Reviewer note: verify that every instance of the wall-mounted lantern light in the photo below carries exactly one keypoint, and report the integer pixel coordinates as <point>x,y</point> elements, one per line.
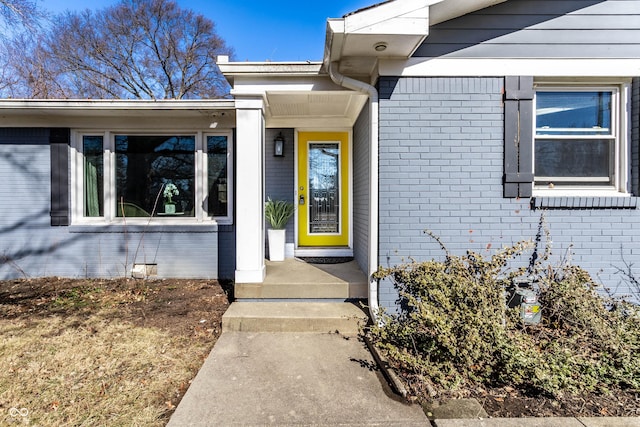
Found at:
<point>278,146</point>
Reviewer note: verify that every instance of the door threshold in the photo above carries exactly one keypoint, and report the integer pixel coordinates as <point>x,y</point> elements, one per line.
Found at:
<point>323,252</point>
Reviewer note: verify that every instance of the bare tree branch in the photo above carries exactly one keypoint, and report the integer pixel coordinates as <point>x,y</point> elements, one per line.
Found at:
<point>19,13</point>
<point>146,49</point>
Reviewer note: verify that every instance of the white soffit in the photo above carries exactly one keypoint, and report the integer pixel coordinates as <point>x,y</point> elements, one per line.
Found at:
<point>326,107</point>
<point>399,25</point>
<point>295,94</point>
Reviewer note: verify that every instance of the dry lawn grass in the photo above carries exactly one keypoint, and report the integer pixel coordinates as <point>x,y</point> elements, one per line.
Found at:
<point>117,353</point>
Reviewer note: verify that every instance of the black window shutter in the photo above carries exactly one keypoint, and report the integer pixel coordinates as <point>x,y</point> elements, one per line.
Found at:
<point>59,139</point>
<point>518,136</point>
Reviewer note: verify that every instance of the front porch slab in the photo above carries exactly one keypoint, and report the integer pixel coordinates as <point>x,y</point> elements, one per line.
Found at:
<point>296,279</point>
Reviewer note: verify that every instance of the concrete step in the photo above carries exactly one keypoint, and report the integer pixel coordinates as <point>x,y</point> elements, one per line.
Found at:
<point>295,279</point>
<point>293,317</point>
<point>323,290</point>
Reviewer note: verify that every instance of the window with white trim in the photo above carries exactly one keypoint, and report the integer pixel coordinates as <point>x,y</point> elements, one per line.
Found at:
<point>580,139</point>
<point>179,177</point>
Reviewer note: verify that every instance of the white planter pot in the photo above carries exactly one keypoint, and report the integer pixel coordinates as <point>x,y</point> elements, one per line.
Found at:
<point>276,244</point>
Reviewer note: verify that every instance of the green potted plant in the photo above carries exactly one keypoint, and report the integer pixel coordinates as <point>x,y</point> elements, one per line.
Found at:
<point>277,213</point>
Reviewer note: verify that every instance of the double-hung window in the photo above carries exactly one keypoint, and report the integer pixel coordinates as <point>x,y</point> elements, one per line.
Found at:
<point>580,139</point>
<point>182,177</point>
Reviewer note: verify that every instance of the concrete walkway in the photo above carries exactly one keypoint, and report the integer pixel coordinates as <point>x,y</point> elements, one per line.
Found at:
<point>315,379</point>
<point>310,379</point>
<point>283,364</point>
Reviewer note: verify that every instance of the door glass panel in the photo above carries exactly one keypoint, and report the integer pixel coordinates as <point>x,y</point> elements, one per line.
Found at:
<point>324,185</point>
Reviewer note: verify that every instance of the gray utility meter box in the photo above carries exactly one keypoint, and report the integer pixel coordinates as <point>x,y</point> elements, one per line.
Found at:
<point>521,295</point>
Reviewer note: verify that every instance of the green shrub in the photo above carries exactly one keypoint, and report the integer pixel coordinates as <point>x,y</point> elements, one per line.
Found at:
<point>454,330</point>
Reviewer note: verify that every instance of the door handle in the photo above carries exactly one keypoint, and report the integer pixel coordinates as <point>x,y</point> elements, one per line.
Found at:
<point>301,199</point>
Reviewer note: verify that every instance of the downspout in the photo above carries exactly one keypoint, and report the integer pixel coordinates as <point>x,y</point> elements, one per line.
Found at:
<point>357,85</point>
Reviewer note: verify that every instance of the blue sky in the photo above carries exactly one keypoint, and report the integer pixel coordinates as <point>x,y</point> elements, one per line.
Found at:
<point>258,30</point>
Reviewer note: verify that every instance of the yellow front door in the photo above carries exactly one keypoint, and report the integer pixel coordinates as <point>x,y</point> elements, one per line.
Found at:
<point>323,189</point>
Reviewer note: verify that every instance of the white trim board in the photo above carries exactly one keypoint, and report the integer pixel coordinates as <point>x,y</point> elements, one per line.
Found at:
<point>426,67</point>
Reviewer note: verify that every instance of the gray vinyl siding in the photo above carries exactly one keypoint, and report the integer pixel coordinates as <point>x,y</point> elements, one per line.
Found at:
<point>361,182</point>
<point>540,29</point>
<point>441,169</point>
<point>280,173</point>
<point>31,247</point>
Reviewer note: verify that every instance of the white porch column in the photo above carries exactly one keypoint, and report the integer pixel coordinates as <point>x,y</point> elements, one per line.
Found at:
<point>249,210</point>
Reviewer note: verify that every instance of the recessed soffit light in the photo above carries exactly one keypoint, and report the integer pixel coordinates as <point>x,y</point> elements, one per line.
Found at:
<point>380,46</point>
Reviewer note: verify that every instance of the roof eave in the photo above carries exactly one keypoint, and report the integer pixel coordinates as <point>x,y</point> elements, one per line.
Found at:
<point>116,105</point>
<point>233,70</point>
<point>396,27</point>
<point>392,29</point>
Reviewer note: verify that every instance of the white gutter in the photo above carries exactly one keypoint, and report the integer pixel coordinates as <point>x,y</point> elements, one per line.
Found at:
<point>116,104</point>
<point>362,87</point>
